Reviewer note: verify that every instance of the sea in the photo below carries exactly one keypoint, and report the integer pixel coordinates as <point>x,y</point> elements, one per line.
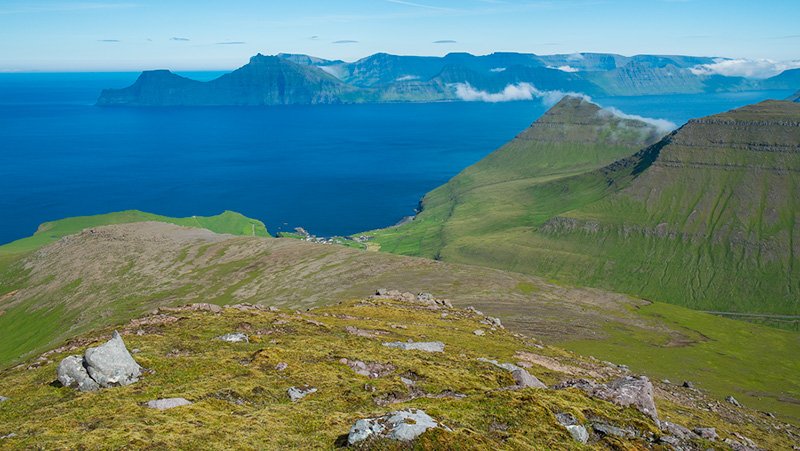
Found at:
<point>331,169</point>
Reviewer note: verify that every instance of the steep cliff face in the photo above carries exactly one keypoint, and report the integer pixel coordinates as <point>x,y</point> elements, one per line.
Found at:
<point>265,80</point>
<point>706,218</point>
<point>794,97</point>
<point>637,79</point>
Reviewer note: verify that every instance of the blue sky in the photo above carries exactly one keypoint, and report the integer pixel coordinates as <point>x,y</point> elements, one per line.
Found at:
<point>134,35</point>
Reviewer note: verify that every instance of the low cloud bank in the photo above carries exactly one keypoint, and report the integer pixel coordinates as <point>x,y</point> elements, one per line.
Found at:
<point>519,91</point>
<point>663,125</point>
<point>759,69</point>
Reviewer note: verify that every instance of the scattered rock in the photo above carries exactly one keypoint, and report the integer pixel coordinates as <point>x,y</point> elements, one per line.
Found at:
<point>167,403</point>
<point>505,366</point>
<point>492,322</point>
<point>405,425</point>
<point>687,384</point>
<point>676,430</point>
<point>525,379</point>
<point>11,435</point>
<point>429,346</point>
<point>579,433</point>
<point>738,446</point>
<point>474,311</point>
<point>479,332</point>
<point>372,370</point>
<point>236,337</point>
<point>296,394</point>
<point>4,399</point>
<point>627,391</point>
<point>205,306</point>
<point>707,433</point>
<point>367,333</point>
<point>607,429</point>
<point>281,366</point>
<point>670,440</point>
<point>733,401</point>
<point>585,385</point>
<point>272,308</point>
<point>135,351</point>
<point>108,365</point>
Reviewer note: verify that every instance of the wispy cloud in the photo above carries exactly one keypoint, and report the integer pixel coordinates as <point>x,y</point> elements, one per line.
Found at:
<point>108,40</point>
<point>62,7</point>
<point>345,41</point>
<point>420,5</point>
<point>178,39</point>
<point>519,91</point>
<point>663,125</point>
<point>230,43</point>
<point>759,69</point>
<point>445,41</point>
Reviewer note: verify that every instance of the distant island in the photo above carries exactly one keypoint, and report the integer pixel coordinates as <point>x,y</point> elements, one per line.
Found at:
<point>291,79</point>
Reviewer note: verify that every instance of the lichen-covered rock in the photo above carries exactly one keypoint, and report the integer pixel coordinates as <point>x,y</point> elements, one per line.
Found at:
<point>630,391</point>
<point>578,432</point>
<point>525,379</point>
<point>428,346</point>
<point>110,364</point>
<point>707,433</point>
<point>296,394</point>
<point>404,425</point>
<point>71,373</point>
<point>236,337</point>
<point>167,403</point>
<point>676,430</point>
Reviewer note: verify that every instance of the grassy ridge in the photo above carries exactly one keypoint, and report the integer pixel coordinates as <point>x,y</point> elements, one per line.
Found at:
<point>226,222</point>
<point>705,219</point>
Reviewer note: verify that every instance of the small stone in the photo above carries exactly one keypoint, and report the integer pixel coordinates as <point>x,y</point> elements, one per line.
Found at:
<point>167,403</point>
<point>674,441</point>
<point>4,399</point>
<point>11,435</point>
<point>479,332</point>
<point>135,351</point>
<point>236,337</point>
<point>707,433</point>
<point>733,401</point>
<point>579,433</point>
<point>687,384</point>
<point>296,394</point>
<point>525,379</point>
<point>430,346</point>
<point>272,308</point>
<point>281,366</point>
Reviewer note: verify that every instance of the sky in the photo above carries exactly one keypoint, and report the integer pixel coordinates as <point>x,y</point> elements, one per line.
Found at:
<point>135,35</point>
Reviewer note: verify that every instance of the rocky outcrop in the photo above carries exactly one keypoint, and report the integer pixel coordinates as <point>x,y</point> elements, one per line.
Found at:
<point>578,432</point>
<point>236,337</point>
<point>167,403</point>
<point>404,425</point>
<point>625,391</point>
<point>297,393</point>
<point>108,365</point>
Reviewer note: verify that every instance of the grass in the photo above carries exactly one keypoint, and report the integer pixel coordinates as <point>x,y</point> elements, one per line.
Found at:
<point>240,401</point>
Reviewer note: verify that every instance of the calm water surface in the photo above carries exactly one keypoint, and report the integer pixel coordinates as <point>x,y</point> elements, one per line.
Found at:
<point>333,169</point>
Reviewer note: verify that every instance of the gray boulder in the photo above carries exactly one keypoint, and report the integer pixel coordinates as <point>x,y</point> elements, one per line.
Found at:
<point>236,337</point>
<point>167,403</point>
<point>676,430</point>
<point>429,346</point>
<point>607,429</point>
<point>505,366</point>
<point>110,364</point>
<point>405,425</point>
<point>525,379</point>
<point>630,391</point>
<point>71,373</point>
<point>707,433</point>
<point>733,401</point>
<point>578,432</point>
<point>296,394</point>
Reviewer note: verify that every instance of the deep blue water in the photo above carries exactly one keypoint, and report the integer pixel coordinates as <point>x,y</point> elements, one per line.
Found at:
<point>333,169</point>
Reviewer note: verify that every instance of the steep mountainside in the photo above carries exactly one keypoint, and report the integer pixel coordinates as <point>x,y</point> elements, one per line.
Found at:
<point>638,79</point>
<point>794,97</point>
<point>706,218</point>
<point>265,80</point>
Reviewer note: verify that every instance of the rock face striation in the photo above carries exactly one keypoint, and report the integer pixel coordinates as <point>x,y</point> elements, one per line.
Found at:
<point>108,365</point>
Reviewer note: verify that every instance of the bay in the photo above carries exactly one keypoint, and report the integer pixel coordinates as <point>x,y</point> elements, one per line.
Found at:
<point>332,169</point>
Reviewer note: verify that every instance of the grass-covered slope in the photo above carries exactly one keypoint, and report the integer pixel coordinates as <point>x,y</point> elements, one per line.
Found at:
<point>706,218</point>
<point>49,232</point>
<point>105,277</point>
<point>494,195</point>
<point>238,390</point>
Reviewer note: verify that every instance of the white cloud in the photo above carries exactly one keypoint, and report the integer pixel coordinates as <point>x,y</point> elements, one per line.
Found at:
<point>564,68</point>
<point>333,70</point>
<point>407,78</point>
<point>497,69</point>
<point>519,91</point>
<point>663,125</point>
<point>761,68</point>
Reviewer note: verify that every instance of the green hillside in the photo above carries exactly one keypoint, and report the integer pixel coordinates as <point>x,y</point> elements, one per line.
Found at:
<point>704,219</point>
<point>226,222</point>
